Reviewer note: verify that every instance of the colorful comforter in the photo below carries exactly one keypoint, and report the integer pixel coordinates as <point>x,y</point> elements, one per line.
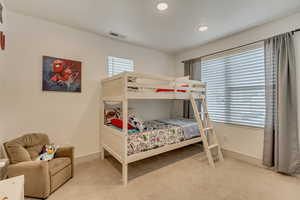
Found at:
<point>161,133</point>
<point>190,127</point>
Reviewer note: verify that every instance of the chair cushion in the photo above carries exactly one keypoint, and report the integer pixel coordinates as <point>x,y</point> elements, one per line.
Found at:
<point>58,164</point>
<point>17,153</point>
<point>35,151</point>
<point>25,148</point>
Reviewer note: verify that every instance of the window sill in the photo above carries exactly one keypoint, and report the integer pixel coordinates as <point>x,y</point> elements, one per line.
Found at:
<point>239,126</point>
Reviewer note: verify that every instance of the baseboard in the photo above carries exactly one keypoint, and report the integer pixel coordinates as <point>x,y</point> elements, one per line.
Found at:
<point>87,158</point>
<point>242,157</point>
<point>227,153</point>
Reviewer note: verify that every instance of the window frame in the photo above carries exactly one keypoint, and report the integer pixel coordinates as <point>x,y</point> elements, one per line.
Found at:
<point>108,65</point>
<point>228,118</point>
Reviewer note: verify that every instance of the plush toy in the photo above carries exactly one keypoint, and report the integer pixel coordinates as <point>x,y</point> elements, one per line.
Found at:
<point>112,113</point>
<point>136,122</point>
<point>48,152</point>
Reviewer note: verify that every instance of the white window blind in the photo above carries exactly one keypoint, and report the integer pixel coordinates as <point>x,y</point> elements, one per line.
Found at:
<point>236,87</point>
<point>119,65</point>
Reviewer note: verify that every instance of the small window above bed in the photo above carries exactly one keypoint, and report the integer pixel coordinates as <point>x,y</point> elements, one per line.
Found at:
<point>118,65</point>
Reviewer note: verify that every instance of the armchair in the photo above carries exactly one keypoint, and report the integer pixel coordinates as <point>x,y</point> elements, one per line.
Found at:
<point>41,177</point>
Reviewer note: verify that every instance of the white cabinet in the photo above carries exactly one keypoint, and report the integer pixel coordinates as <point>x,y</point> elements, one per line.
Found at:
<point>12,188</point>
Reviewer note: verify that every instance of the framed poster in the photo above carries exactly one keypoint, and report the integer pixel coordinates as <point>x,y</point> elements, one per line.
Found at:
<point>61,75</point>
<point>2,13</point>
<point>2,16</point>
<point>2,24</point>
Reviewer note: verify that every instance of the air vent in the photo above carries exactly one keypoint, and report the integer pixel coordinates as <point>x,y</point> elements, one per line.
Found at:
<point>116,35</point>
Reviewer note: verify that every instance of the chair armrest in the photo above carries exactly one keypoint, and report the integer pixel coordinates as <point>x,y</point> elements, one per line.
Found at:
<point>66,152</point>
<point>37,178</point>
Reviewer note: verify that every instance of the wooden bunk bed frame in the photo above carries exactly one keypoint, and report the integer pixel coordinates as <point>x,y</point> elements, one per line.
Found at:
<point>128,86</point>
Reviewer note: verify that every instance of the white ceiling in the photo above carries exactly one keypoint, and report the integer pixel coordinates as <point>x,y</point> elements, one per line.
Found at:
<point>172,31</point>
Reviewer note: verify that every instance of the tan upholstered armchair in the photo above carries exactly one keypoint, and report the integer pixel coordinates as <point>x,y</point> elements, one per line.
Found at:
<point>41,177</point>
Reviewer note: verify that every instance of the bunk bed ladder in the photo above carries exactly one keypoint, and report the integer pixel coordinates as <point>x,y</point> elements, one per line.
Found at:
<point>206,128</point>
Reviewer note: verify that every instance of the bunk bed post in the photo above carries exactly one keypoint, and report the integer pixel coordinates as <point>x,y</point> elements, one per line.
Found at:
<point>102,150</point>
<point>125,130</point>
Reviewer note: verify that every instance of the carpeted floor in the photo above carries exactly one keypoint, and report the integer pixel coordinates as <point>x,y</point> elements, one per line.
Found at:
<point>181,174</point>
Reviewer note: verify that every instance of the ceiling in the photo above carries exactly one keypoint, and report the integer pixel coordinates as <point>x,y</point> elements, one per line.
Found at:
<point>171,31</point>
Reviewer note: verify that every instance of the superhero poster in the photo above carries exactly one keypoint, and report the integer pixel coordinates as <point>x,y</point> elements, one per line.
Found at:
<point>61,75</point>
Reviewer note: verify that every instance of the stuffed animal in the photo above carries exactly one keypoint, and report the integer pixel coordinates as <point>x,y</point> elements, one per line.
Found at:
<point>136,122</point>
<point>48,152</point>
<point>112,113</point>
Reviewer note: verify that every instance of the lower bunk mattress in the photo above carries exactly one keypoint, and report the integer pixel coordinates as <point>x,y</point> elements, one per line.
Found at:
<point>159,133</point>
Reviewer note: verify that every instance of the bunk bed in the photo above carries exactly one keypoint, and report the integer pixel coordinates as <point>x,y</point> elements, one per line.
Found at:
<point>170,134</point>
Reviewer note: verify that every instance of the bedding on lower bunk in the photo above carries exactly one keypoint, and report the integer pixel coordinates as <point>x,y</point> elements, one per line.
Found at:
<point>158,133</point>
<point>147,135</point>
<point>190,127</point>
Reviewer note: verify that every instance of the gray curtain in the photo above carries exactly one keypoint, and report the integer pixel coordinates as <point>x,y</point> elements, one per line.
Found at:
<point>281,144</point>
<point>192,68</point>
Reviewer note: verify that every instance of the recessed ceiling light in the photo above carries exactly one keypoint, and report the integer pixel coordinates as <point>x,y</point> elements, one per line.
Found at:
<point>162,6</point>
<point>203,28</point>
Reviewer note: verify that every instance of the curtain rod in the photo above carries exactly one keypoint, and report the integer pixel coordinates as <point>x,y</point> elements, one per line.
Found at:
<point>217,52</point>
<point>297,30</point>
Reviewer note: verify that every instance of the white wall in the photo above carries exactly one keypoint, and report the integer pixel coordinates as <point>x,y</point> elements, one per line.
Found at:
<point>241,139</point>
<point>1,71</point>
<point>297,48</point>
<point>2,55</point>
<point>68,118</point>
<point>71,118</point>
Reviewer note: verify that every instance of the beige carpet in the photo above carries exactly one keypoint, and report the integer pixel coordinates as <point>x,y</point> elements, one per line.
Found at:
<point>181,174</point>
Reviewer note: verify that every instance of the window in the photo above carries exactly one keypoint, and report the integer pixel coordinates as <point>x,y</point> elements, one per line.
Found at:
<point>236,86</point>
<point>119,65</point>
